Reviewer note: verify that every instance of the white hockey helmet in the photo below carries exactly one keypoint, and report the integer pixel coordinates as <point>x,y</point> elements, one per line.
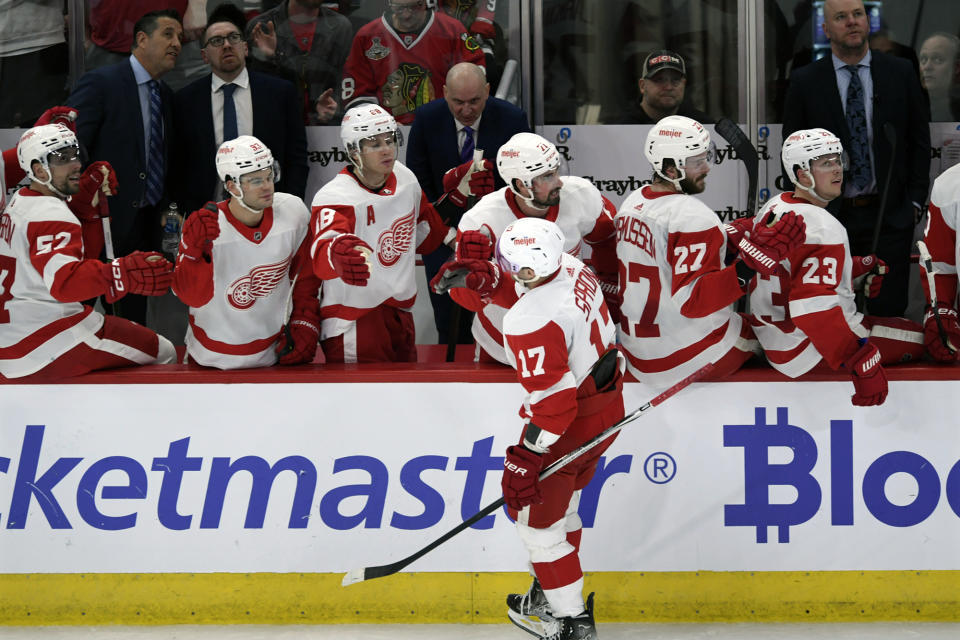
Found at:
<point>801,147</point>
<point>365,121</point>
<point>244,155</point>
<point>676,138</point>
<point>533,243</point>
<point>37,143</point>
<point>524,157</point>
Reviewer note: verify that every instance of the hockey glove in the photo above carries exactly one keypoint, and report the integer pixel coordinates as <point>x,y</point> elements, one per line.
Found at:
<point>736,230</point>
<point>867,273</point>
<point>521,477</point>
<point>764,248</point>
<point>468,180</point>
<point>67,116</point>
<point>869,380</point>
<point>611,295</point>
<point>200,229</point>
<point>298,342</point>
<point>348,257</point>
<point>941,338</point>
<point>474,245</point>
<point>481,276</point>
<point>143,273</point>
<point>98,181</point>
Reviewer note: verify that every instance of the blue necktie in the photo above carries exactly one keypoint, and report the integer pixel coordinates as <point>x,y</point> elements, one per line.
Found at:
<point>229,112</point>
<point>468,145</point>
<point>155,151</point>
<point>860,173</point>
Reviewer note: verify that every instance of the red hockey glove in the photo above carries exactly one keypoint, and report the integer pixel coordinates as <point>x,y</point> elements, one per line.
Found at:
<point>764,248</point>
<point>869,380</point>
<point>941,345</point>
<point>521,477</point>
<point>200,229</point>
<point>611,295</point>
<point>474,245</point>
<point>481,276</point>
<point>143,273</point>
<point>736,229</point>
<point>483,28</point>
<point>67,116</point>
<point>298,342</point>
<point>348,257</point>
<point>867,273</point>
<point>467,180</point>
<point>98,181</point>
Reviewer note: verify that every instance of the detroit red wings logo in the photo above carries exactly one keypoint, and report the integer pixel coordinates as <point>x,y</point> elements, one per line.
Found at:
<point>395,241</point>
<point>259,283</point>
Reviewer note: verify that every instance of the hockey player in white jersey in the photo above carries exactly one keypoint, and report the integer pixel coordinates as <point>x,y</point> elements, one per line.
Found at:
<point>368,224</point>
<point>530,165</point>
<point>804,313</point>
<point>677,293</point>
<point>46,332</point>
<point>10,171</point>
<point>940,327</point>
<point>240,263</point>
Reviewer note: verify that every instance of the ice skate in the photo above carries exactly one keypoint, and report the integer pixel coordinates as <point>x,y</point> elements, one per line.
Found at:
<point>579,627</point>
<point>531,612</point>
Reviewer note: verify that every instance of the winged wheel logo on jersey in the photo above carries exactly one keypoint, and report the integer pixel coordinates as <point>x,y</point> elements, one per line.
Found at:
<point>395,241</point>
<point>259,283</point>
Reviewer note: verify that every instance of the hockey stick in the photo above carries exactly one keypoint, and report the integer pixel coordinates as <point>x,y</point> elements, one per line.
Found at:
<point>891,135</point>
<point>104,209</point>
<point>369,573</point>
<point>736,138</point>
<point>926,263</point>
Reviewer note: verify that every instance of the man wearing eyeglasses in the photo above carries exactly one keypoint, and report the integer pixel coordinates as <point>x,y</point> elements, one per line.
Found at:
<point>229,102</point>
<point>400,59</point>
<point>662,85</point>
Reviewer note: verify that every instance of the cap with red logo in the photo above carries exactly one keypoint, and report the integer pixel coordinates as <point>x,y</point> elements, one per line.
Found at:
<point>660,60</point>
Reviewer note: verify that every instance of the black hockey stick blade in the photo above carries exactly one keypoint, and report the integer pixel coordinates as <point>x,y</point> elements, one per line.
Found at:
<point>368,573</point>
<point>736,138</point>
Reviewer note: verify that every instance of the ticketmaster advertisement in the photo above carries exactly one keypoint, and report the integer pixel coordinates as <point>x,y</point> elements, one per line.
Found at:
<point>324,478</point>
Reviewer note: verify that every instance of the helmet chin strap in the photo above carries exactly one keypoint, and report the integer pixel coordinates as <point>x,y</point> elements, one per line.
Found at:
<point>48,183</point>
<point>812,189</point>
<point>240,200</point>
<point>528,200</point>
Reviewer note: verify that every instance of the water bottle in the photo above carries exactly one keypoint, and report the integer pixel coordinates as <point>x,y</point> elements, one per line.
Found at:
<point>172,221</point>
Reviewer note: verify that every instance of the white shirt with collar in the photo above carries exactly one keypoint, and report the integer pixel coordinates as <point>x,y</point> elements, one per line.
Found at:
<point>242,100</point>
<point>462,135</point>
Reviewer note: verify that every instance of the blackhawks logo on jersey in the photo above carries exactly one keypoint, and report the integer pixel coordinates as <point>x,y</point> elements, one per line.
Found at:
<point>397,240</point>
<point>259,283</point>
<point>406,88</point>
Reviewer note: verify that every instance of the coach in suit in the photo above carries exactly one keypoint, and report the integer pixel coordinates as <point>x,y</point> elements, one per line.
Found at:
<point>443,132</point>
<point>855,93</point>
<point>125,117</point>
<point>230,102</point>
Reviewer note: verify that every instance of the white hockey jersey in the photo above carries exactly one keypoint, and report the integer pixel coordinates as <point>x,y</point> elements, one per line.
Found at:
<point>41,260</point>
<point>676,313</point>
<point>941,235</point>
<point>246,286</point>
<point>397,222</point>
<point>553,335</point>
<point>584,216</point>
<point>814,289</point>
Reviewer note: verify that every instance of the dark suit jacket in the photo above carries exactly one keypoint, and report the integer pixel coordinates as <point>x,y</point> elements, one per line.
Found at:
<point>277,122</point>
<point>110,126</point>
<point>813,100</point>
<point>432,147</point>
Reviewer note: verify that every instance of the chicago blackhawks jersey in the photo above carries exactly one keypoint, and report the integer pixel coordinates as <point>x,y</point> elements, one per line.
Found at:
<point>403,71</point>
<point>239,300</point>
<point>806,311</point>
<point>676,315</point>
<point>553,336</point>
<point>43,276</point>
<point>584,215</point>
<point>941,235</point>
<point>397,221</point>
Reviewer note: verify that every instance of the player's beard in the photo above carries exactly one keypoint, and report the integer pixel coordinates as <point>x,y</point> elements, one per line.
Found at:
<point>693,186</point>
<point>552,200</point>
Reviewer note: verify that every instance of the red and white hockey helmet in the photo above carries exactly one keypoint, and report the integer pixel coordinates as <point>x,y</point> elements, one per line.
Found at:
<point>37,143</point>
<point>244,155</point>
<point>676,138</point>
<point>801,147</point>
<point>533,243</point>
<point>526,156</point>
<point>365,121</point>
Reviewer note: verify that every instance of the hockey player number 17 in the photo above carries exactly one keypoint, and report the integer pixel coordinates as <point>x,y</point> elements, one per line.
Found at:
<point>646,326</point>
<point>8,269</point>
<point>536,355</point>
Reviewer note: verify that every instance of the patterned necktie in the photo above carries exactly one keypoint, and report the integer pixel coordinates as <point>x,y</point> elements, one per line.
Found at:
<point>468,145</point>
<point>229,112</point>
<point>155,152</point>
<point>857,124</point>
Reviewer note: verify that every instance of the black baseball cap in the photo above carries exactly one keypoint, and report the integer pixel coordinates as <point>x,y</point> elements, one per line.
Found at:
<point>660,60</point>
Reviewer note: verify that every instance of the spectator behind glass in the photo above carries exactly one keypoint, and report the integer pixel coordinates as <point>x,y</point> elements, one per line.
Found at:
<point>33,53</point>
<point>662,85</point>
<point>307,43</point>
<point>940,74</point>
<point>400,60</point>
<point>478,17</point>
